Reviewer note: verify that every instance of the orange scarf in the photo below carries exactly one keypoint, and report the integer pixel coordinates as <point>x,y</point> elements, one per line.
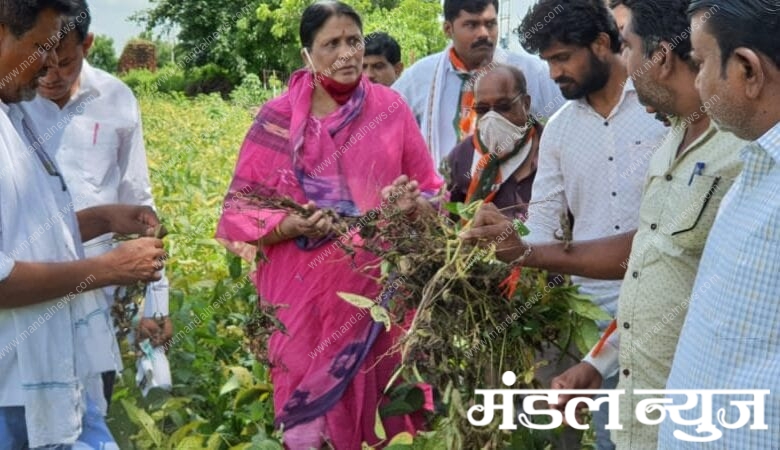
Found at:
<point>486,179</point>
<point>465,117</point>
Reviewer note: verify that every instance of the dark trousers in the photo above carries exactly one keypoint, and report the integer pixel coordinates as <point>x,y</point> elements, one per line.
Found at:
<point>108,385</point>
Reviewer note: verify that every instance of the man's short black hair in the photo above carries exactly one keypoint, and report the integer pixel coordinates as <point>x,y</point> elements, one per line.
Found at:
<point>20,15</point>
<point>78,20</point>
<point>741,23</point>
<point>615,3</point>
<point>452,8</point>
<point>380,43</point>
<point>661,20</point>
<point>569,22</point>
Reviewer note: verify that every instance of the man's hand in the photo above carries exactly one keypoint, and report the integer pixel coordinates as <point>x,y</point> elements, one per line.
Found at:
<point>137,260</point>
<point>151,329</point>
<point>487,226</point>
<point>134,219</point>
<point>581,376</point>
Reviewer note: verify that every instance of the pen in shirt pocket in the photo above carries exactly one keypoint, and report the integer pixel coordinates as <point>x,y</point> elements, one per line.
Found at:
<point>95,133</point>
<point>697,170</point>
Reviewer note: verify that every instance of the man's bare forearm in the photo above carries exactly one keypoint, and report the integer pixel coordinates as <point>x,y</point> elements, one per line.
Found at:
<point>33,283</point>
<point>93,222</point>
<point>604,259</point>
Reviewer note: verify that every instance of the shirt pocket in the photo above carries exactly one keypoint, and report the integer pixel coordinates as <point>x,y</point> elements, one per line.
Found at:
<point>95,146</point>
<point>690,223</point>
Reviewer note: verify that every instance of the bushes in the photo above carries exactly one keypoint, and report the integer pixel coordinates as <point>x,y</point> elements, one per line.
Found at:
<point>202,80</point>
<point>250,92</point>
<point>167,79</point>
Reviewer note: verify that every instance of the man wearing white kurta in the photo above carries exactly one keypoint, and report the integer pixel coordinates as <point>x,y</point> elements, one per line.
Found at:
<point>91,124</point>
<point>48,311</point>
<point>438,87</point>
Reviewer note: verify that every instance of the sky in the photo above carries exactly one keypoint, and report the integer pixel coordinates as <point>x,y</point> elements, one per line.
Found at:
<point>109,17</point>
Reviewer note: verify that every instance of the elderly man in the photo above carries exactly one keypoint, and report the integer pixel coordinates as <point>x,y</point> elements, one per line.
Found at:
<point>498,162</point>
<point>100,151</point>
<point>439,87</point>
<point>658,260</point>
<point>730,337</point>
<point>54,335</point>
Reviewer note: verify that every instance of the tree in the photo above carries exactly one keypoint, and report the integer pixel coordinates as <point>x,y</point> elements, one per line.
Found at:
<point>226,33</point>
<point>414,24</point>
<point>167,52</point>
<point>102,54</point>
<point>248,37</point>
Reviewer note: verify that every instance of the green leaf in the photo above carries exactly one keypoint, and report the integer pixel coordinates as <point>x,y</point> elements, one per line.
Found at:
<point>404,399</point>
<point>234,266</point>
<point>520,227</point>
<point>215,441</point>
<point>586,335</point>
<point>183,433</point>
<point>231,385</point>
<point>453,207</point>
<point>379,428</point>
<point>582,306</point>
<point>401,440</point>
<point>144,420</point>
<point>357,300</point>
<point>251,394</point>
<point>189,443</point>
<point>380,314</point>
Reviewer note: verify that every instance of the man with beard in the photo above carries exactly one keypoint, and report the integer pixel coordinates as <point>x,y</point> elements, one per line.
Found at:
<point>439,87</point>
<point>54,335</point>
<point>497,163</point>
<point>595,150</point>
<point>658,261</point>
<point>730,337</point>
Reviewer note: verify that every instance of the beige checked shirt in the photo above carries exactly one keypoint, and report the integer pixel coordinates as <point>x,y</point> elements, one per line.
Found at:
<point>680,200</point>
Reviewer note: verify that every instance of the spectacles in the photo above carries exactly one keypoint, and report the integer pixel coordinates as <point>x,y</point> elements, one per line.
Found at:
<point>502,106</point>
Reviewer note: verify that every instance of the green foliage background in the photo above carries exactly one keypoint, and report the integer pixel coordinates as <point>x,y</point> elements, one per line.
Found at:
<point>102,54</point>
<point>221,398</point>
<point>263,34</point>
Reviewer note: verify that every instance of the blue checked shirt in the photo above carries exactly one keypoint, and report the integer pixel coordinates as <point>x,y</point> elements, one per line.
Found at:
<point>731,336</point>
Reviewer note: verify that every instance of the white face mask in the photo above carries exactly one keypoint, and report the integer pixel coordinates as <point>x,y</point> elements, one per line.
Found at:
<point>498,134</point>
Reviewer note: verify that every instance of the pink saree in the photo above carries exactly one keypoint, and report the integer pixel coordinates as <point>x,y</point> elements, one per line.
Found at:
<point>330,369</point>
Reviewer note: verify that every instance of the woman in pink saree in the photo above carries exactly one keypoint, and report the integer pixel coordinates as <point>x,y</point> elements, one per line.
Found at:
<point>333,140</point>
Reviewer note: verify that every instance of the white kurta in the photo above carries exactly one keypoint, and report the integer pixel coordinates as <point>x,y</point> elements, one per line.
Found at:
<point>51,353</point>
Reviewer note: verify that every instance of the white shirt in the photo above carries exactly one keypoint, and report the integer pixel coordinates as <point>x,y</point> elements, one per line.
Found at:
<point>26,223</point>
<point>594,167</point>
<point>416,83</point>
<point>97,141</point>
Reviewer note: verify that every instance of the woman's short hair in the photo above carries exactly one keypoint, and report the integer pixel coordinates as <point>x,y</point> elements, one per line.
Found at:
<point>316,14</point>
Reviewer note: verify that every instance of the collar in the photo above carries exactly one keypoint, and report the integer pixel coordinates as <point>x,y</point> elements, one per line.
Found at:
<point>4,107</point>
<point>628,86</point>
<point>499,55</point>
<point>770,142</point>
<point>87,83</point>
